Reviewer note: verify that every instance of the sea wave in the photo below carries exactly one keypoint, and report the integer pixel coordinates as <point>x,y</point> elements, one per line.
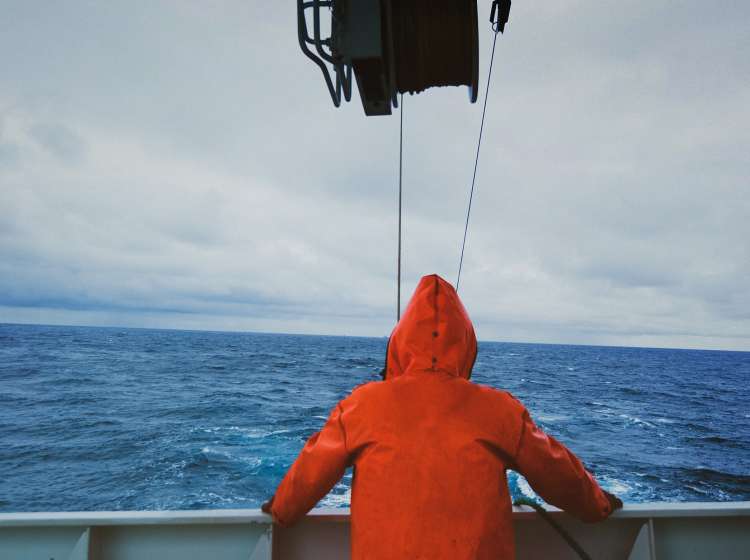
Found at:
<point>97,419</point>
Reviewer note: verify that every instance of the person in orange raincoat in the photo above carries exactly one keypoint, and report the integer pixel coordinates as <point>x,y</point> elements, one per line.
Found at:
<point>430,450</point>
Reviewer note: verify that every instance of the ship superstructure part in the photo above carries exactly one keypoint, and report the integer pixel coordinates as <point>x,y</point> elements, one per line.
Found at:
<point>392,47</point>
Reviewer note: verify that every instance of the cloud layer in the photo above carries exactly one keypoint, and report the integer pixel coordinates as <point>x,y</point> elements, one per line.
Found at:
<point>182,166</point>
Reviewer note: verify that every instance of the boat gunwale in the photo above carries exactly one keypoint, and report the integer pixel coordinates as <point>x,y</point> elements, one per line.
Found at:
<point>240,516</point>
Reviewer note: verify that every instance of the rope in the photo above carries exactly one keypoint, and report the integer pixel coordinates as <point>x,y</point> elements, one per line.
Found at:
<point>400,190</point>
<point>476,160</point>
<point>555,525</point>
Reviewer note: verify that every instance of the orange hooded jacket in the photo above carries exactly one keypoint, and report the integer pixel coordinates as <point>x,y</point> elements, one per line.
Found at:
<point>430,449</point>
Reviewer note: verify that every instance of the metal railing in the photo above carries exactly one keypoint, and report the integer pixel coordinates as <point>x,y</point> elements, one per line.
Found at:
<point>648,531</point>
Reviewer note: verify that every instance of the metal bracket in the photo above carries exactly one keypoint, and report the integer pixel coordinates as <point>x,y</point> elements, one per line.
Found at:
<point>325,49</point>
<point>499,15</point>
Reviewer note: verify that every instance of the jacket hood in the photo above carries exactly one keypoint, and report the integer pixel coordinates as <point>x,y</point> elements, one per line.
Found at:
<point>434,333</point>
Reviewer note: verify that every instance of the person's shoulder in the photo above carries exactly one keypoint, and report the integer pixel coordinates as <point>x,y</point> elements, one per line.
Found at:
<point>499,397</point>
<point>362,398</point>
<point>365,390</point>
<point>488,391</point>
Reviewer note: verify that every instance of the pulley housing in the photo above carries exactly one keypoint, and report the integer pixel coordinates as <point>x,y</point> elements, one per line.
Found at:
<point>392,46</point>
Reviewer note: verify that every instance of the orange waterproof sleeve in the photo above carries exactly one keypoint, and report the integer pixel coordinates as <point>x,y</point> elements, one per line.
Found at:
<point>557,475</point>
<point>319,466</point>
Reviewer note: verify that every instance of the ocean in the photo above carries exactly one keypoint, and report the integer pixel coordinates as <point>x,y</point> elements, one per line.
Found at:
<point>139,419</point>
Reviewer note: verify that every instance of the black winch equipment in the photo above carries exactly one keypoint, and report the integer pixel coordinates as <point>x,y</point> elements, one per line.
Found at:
<point>393,46</point>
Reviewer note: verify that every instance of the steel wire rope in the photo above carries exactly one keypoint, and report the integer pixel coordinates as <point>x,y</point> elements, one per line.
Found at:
<point>400,196</point>
<point>497,28</point>
<point>476,159</point>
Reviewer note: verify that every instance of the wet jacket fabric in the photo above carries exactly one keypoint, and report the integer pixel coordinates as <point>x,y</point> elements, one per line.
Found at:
<point>430,449</point>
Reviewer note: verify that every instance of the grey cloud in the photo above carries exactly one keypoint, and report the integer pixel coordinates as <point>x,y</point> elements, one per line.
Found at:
<point>9,154</point>
<point>59,140</point>
<point>9,151</point>
<point>215,186</point>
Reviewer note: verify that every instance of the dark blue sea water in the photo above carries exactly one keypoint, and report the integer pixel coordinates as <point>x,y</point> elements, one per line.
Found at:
<point>134,419</point>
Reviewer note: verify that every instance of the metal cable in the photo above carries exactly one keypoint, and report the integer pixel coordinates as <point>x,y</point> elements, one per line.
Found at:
<point>400,179</point>
<point>476,160</point>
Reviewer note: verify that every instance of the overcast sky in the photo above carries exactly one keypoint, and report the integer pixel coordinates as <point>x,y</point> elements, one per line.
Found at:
<point>180,164</point>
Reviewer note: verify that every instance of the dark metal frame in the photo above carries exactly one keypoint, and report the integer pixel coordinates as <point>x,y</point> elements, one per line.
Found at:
<point>341,68</point>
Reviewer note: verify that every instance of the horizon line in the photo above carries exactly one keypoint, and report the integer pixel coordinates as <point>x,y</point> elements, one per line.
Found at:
<point>278,333</point>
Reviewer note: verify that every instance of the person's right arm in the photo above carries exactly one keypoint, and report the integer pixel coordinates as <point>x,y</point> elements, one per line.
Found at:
<point>319,466</point>
<point>558,476</point>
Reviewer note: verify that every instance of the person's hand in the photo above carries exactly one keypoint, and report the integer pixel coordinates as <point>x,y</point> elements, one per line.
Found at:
<point>615,503</point>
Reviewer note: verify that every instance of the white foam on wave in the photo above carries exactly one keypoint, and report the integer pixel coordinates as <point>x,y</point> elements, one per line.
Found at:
<point>252,462</point>
<point>636,420</point>
<point>543,417</point>
<point>217,452</point>
<point>338,500</point>
<point>696,489</point>
<point>274,433</point>
<point>616,487</point>
<point>604,411</point>
<point>253,433</point>
<point>525,487</point>
<point>178,470</point>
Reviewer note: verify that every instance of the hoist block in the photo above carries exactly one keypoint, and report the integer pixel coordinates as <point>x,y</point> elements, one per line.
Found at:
<point>392,47</point>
